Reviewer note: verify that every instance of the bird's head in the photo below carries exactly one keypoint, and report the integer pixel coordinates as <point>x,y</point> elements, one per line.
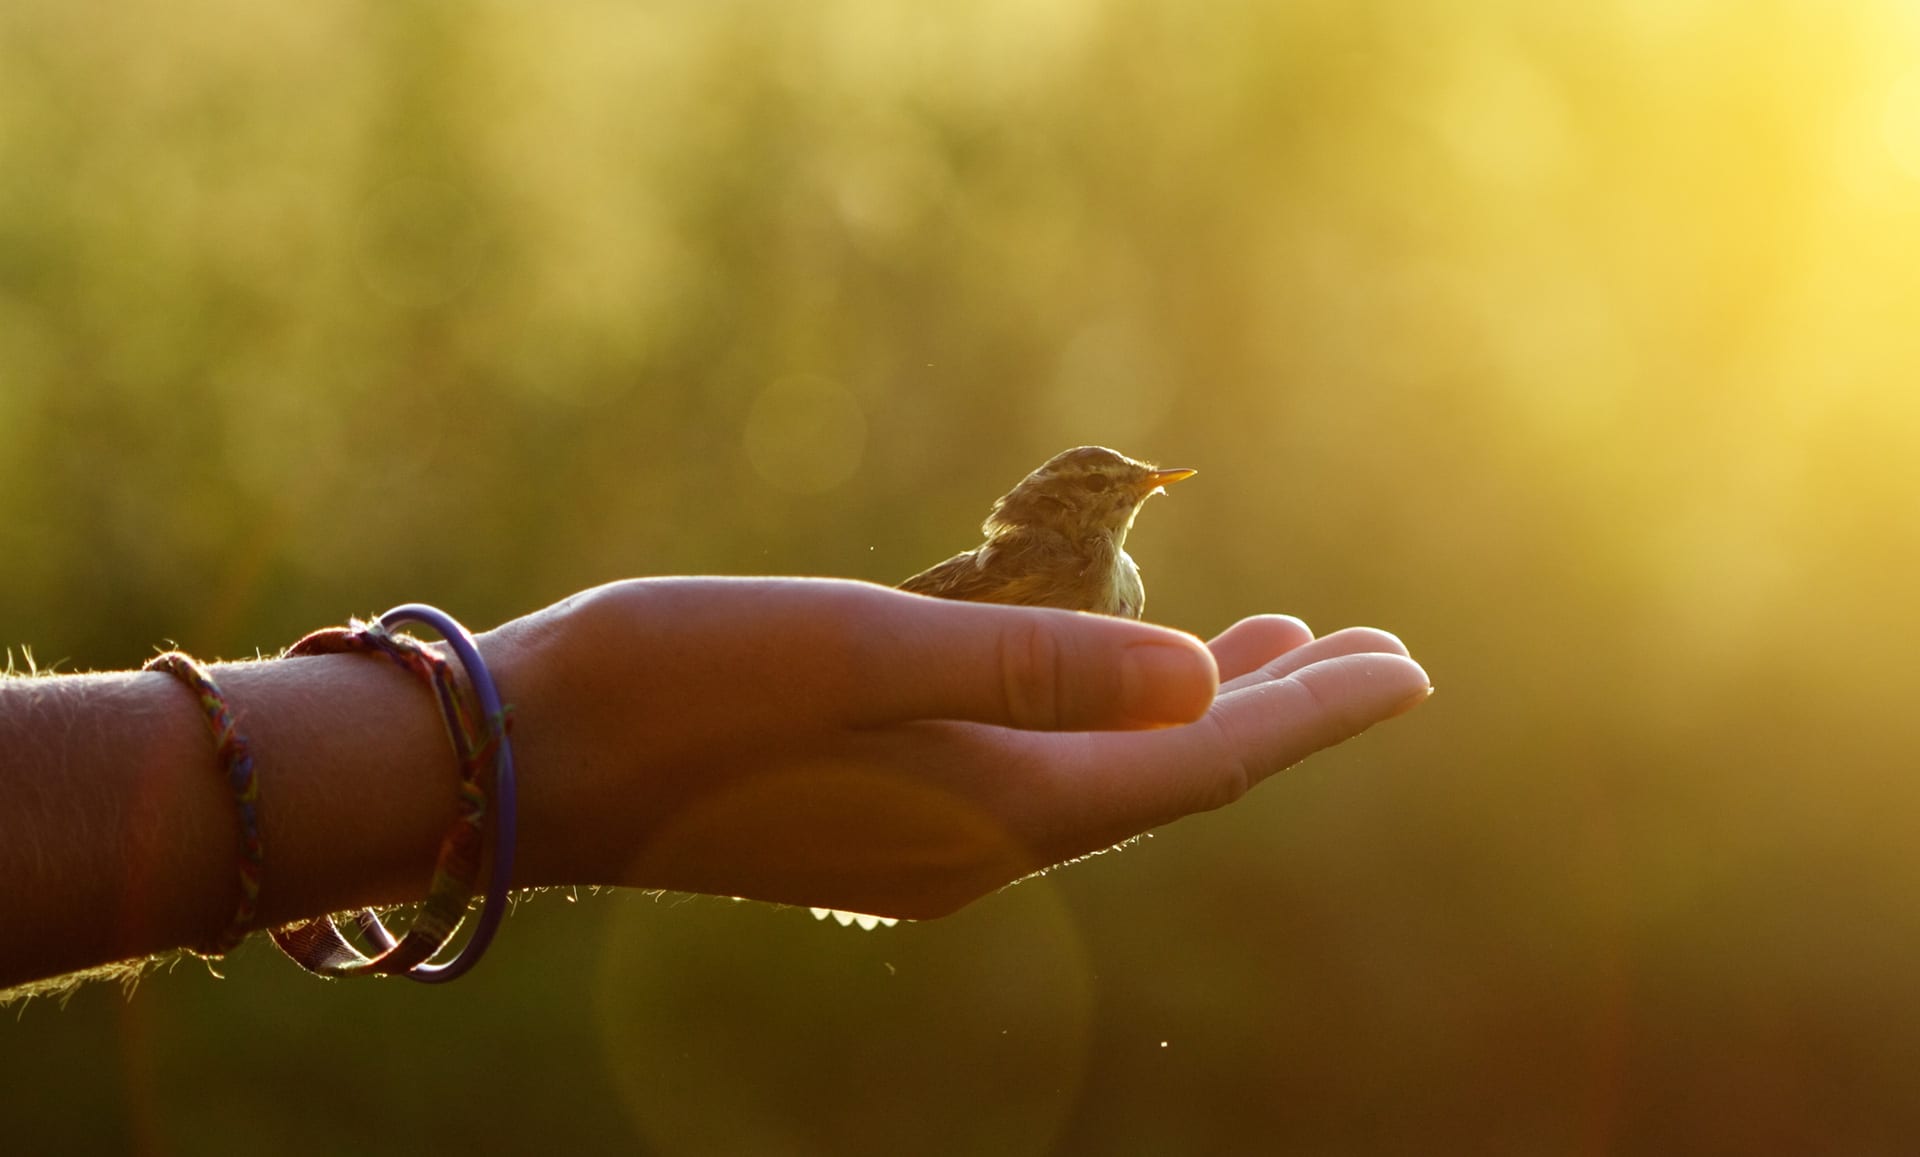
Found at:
<point>1080,492</point>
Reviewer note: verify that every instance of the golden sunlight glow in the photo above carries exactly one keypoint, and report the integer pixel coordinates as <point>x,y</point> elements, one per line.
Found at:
<point>1902,124</point>
<point>1576,343</point>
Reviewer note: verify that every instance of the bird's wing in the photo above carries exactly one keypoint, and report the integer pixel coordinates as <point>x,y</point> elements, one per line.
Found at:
<point>960,570</point>
<point>973,578</point>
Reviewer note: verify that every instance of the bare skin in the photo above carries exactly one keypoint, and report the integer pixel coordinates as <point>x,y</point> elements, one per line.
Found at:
<point>813,742</point>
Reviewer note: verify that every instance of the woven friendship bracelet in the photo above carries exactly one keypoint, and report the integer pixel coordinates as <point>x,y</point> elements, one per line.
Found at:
<point>479,739</point>
<point>231,747</point>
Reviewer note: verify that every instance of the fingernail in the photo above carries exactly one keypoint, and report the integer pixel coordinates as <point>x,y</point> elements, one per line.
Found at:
<point>1166,683</point>
<point>1410,702</point>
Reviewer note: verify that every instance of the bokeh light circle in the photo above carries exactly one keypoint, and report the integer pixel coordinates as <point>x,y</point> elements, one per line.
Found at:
<point>805,434</point>
<point>739,1028</point>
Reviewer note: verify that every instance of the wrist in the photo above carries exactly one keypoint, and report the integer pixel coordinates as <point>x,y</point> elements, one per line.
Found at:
<point>357,783</point>
<point>537,668</point>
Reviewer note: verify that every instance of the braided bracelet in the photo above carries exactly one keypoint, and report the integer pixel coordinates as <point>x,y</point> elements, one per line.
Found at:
<point>318,945</point>
<point>231,747</point>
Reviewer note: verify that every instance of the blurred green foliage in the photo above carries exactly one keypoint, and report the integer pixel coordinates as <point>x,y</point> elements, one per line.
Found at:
<point>1576,343</point>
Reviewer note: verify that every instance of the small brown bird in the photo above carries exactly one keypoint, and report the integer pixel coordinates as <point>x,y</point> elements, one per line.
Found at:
<point>1058,538</point>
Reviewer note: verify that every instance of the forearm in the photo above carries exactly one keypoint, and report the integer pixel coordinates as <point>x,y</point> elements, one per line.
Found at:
<point>119,836</point>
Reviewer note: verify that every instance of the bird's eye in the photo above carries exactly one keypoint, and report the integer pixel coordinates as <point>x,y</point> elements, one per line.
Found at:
<point>1095,483</point>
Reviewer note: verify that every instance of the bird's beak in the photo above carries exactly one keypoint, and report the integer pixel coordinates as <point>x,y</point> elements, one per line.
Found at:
<point>1156,480</point>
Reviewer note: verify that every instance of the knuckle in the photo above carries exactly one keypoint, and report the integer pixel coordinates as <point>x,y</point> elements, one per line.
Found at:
<point>1031,659</point>
<point>1237,777</point>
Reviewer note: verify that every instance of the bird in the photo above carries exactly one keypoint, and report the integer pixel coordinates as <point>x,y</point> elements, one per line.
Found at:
<point>1059,538</point>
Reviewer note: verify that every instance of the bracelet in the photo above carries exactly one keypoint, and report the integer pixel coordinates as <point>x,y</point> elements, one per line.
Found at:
<point>231,747</point>
<point>318,945</point>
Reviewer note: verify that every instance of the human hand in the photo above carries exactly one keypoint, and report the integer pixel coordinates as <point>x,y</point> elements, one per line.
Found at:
<point>836,744</point>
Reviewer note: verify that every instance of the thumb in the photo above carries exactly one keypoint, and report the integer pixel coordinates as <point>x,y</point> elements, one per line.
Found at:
<point>1035,668</point>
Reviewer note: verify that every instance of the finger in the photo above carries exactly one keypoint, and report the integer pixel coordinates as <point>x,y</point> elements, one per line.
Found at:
<point>1252,642</point>
<point>1125,784</point>
<point>1350,641</point>
<point>1032,668</point>
<point>1272,726</point>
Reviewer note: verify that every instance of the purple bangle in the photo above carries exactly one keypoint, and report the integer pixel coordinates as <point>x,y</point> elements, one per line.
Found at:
<point>506,811</point>
<point>317,945</point>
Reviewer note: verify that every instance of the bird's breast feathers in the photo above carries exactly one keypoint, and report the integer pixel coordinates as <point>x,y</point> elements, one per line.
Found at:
<point>1130,593</point>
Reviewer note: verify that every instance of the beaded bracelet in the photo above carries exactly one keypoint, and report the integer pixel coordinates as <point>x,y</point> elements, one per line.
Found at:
<point>317,945</point>
<point>231,747</point>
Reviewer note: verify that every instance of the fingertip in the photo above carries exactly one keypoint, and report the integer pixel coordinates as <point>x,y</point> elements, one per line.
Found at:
<point>1167,680</point>
<point>1359,690</point>
<point>1282,632</point>
<point>1256,641</point>
<point>1371,639</point>
<point>1410,702</point>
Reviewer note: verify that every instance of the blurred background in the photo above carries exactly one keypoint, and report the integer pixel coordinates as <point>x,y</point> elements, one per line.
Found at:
<point>1575,343</point>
